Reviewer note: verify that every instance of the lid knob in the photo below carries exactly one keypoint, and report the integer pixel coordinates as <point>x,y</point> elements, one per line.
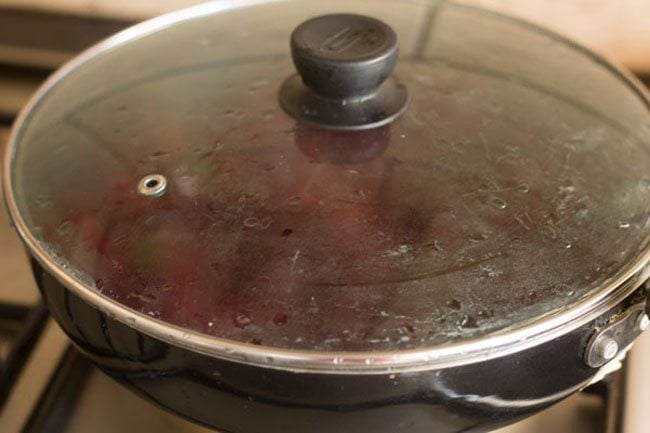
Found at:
<point>344,64</point>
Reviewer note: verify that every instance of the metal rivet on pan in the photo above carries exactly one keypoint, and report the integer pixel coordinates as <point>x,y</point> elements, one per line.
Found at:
<point>606,347</point>
<point>153,185</point>
<point>618,333</point>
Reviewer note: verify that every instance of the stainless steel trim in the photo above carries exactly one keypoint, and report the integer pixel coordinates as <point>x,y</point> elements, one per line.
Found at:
<point>448,355</point>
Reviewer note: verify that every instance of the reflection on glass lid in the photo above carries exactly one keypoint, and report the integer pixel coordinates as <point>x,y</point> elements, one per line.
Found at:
<point>514,184</point>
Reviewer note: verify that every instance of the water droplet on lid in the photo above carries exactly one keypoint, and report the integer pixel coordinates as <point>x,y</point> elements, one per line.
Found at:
<point>570,293</point>
<point>454,304</point>
<point>261,82</point>
<point>477,237</point>
<point>294,201</point>
<point>38,232</point>
<point>158,154</point>
<point>280,319</point>
<point>65,228</point>
<point>523,188</point>
<point>486,314</point>
<point>251,222</point>
<point>408,327</point>
<point>242,320</point>
<point>497,203</point>
<point>467,322</point>
<point>44,202</point>
<point>624,225</point>
<point>549,232</point>
<point>266,222</point>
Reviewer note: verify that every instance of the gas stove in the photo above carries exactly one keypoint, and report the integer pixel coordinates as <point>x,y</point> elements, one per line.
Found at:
<point>47,387</point>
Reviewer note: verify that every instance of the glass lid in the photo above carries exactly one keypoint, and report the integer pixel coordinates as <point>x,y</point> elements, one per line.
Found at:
<point>497,176</point>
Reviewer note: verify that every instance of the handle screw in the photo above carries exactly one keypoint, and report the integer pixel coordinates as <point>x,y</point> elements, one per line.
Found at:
<point>606,348</point>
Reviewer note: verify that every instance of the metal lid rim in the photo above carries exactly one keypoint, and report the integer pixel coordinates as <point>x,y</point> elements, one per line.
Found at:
<point>442,356</point>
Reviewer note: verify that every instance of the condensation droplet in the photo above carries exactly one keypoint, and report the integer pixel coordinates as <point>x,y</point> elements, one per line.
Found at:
<point>159,154</point>
<point>497,203</point>
<point>624,225</point>
<point>280,319</point>
<point>408,327</point>
<point>266,222</point>
<point>44,202</point>
<point>65,228</point>
<point>258,83</point>
<point>294,201</point>
<point>477,237</point>
<point>549,232</point>
<point>523,188</point>
<point>242,320</point>
<point>467,322</point>
<point>251,222</point>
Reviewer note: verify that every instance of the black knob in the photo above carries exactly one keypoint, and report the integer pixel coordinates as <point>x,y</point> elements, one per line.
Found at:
<point>344,64</point>
<point>343,56</point>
